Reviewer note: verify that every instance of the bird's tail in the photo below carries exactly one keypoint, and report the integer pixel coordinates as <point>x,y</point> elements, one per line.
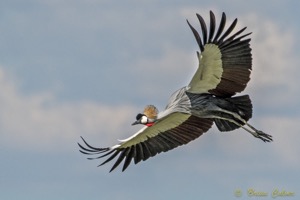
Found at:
<point>240,105</point>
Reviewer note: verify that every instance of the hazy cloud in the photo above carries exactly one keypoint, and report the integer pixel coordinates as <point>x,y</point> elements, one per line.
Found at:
<point>40,121</point>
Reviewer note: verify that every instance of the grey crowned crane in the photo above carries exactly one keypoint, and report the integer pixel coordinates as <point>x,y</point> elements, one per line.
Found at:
<point>225,64</point>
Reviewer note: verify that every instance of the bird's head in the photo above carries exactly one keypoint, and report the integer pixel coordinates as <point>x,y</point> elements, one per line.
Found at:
<point>148,117</point>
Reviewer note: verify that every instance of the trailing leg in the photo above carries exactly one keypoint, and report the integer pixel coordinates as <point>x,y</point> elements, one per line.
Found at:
<point>238,121</point>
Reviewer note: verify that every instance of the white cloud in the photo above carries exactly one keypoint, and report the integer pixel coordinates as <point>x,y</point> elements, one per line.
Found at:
<point>285,131</point>
<point>190,14</point>
<point>275,65</point>
<point>162,76</point>
<point>40,121</point>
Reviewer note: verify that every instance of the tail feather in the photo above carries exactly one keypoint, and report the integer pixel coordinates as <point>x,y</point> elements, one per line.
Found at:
<point>241,105</point>
<point>224,125</point>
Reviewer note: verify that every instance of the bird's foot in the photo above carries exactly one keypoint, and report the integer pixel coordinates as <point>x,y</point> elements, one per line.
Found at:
<point>263,136</point>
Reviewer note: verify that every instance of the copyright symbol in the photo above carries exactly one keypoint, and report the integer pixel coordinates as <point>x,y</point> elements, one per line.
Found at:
<point>238,193</point>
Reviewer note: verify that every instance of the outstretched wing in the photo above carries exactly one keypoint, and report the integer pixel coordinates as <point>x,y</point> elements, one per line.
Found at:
<point>225,61</point>
<point>168,133</point>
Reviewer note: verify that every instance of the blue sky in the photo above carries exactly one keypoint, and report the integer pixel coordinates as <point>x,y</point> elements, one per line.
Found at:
<point>86,68</point>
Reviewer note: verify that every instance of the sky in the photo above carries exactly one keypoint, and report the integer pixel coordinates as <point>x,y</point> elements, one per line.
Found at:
<point>85,68</point>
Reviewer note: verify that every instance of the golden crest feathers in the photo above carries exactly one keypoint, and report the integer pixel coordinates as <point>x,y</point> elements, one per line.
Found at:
<point>151,111</point>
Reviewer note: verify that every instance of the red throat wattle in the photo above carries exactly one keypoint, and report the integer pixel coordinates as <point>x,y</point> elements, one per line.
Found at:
<point>149,124</point>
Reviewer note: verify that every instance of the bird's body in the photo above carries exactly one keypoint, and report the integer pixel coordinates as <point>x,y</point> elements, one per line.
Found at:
<point>224,69</point>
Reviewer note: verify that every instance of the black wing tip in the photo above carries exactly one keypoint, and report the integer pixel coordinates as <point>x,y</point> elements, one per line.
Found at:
<point>197,36</point>
<point>90,150</point>
<point>219,37</point>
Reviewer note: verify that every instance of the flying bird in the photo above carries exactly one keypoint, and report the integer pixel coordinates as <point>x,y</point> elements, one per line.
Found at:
<point>225,64</point>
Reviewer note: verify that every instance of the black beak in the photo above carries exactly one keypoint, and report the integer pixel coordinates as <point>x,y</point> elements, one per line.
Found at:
<point>136,122</point>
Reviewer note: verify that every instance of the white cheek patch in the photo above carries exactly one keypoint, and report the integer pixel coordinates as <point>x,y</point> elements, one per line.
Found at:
<point>144,120</point>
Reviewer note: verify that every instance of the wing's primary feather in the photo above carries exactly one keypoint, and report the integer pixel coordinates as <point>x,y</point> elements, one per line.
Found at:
<point>212,26</point>
<point>203,27</point>
<point>221,28</point>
